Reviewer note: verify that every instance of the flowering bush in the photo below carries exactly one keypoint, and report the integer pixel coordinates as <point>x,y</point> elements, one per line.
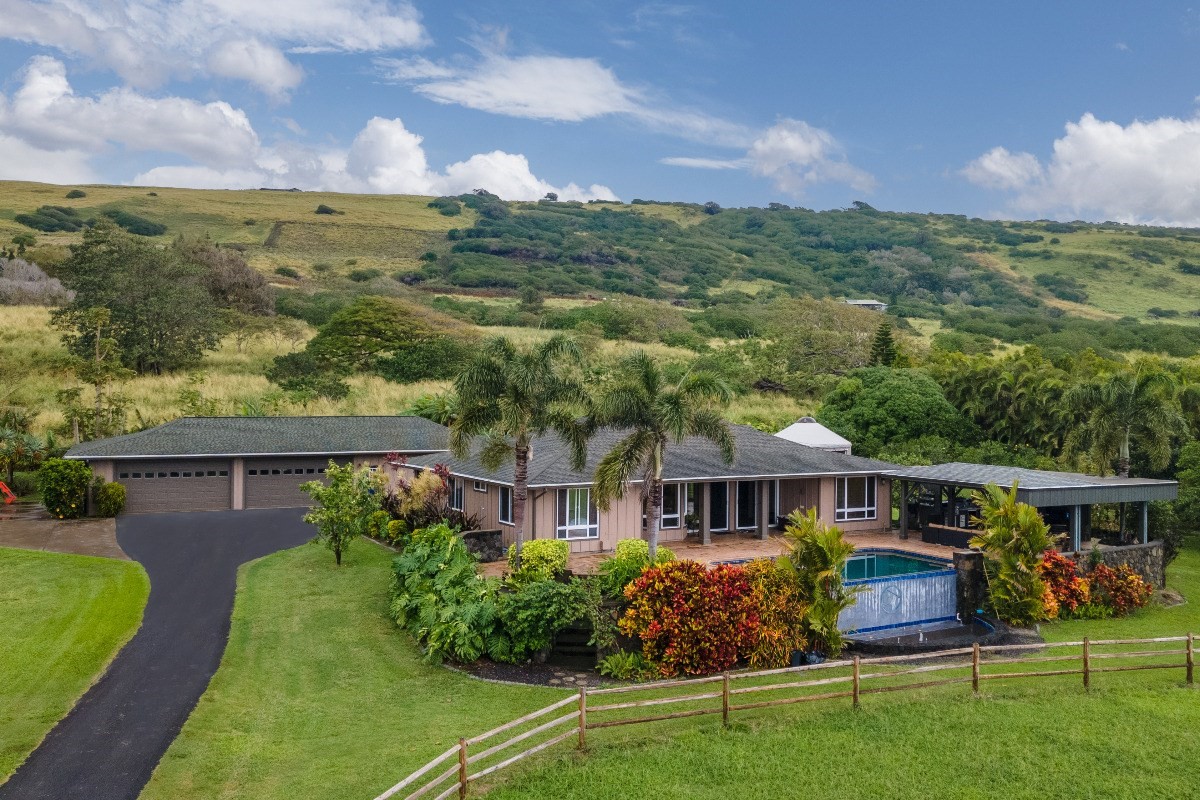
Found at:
<point>692,620</point>
<point>782,615</point>
<point>1065,585</point>
<point>1121,589</point>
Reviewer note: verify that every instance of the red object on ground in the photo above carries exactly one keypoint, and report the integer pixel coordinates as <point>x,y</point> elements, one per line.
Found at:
<point>9,497</point>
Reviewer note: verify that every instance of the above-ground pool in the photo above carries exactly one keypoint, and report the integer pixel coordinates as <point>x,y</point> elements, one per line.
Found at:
<point>897,589</point>
<point>866,564</point>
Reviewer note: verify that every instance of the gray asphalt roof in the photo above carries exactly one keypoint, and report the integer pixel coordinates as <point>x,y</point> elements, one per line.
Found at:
<point>247,436</point>
<point>1043,487</point>
<point>758,455</point>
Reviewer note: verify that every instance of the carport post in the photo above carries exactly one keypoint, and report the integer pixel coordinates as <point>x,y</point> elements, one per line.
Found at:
<point>705,504</point>
<point>764,509</point>
<point>1145,521</point>
<point>903,509</point>
<point>1076,528</point>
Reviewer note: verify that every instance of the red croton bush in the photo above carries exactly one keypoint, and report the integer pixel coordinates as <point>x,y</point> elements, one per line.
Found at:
<point>1121,588</point>
<point>1105,591</point>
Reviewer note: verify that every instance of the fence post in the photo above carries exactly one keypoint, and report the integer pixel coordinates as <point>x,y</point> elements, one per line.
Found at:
<point>1191,658</point>
<point>856,681</point>
<point>725,699</point>
<point>975,669</point>
<point>1087,665</point>
<point>462,769</point>
<point>582,717</point>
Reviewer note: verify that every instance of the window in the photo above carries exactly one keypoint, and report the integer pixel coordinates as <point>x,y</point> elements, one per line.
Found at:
<point>124,475</point>
<point>138,474</point>
<point>212,473</point>
<point>173,474</point>
<point>670,506</point>
<point>274,472</point>
<point>773,515</point>
<point>718,510</point>
<point>223,473</point>
<point>855,498</point>
<point>747,504</point>
<point>479,486</point>
<point>506,505</point>
<point>456,494</point>
<point>577,515</point>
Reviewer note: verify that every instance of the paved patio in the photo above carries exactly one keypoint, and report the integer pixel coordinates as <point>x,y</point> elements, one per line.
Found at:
<point>736,548</point>
<point>29,530</point>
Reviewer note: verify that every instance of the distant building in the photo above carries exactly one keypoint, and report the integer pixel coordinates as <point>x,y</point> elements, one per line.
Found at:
<point>810,433</point>
<point>873,305</point>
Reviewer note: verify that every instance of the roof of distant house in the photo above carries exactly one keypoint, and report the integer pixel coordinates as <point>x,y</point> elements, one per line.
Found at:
<point>758,455</point>
<point>1043,487</point>
<point>276,436</point>
<point>808,431</point>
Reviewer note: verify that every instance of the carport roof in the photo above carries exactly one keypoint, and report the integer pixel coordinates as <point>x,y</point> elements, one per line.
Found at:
<point>270,436</point>
<point>1041,487</point>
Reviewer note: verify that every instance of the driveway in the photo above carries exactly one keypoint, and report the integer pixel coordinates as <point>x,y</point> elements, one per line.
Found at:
<point>108,745</point>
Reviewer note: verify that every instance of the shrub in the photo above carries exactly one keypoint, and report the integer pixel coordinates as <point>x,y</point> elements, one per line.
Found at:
<point>624,666</point>
<point>75,194</point>
<point>817,557</point>
<point>691,620</point>
<point>135,224</point>
<point>1069,589</point>
<point>324,209</point>
<point>1121,589</point>
<point>63,485</point>
<point>541,559</point>
<point>782,615</point>
<point>377,524</point>
<point>631,558</point>
<point>396,532</point>
<point>24,483</point>
<point>110,499</point>
<point>365,274</point>
<point>439,598</point>
<point>1013,540</point>
<point>534,613</point>
<point>288,272</point>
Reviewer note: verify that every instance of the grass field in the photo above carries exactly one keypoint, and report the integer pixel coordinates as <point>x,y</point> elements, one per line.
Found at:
<point>62,619</point>
<point>320,696</point>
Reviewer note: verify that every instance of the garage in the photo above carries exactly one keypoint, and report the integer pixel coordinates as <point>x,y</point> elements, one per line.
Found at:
<point>275,482</point>
<point>176,485</point>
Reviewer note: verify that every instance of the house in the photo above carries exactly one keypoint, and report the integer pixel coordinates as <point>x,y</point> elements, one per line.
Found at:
<point>871,305</point>
<point>769,478</point>
<point>215,463</point>
<point>807,431</point>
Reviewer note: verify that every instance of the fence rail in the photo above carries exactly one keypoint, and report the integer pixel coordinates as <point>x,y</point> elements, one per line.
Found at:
<point>457,761</point>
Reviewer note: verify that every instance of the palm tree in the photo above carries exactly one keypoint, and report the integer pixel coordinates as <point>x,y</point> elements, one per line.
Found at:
<point>655,412</point>
<point>17,449</point>
<point>511,396</point>
<point>1133,407</point>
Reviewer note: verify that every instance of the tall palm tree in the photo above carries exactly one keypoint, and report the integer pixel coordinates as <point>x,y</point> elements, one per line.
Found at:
<point>510,396</point>
<point>656,413</point>
<point>1124,409</point>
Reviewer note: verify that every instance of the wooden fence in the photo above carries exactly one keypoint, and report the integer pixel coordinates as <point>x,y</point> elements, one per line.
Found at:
<point>459,766</point>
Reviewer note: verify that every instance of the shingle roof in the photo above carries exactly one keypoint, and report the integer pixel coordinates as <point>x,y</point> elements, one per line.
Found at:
<point>1043,487</point>
<point>758,455</point>
<point>245,436</point>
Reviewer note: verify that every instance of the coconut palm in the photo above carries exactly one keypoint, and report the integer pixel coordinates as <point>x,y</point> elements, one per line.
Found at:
<point>656,413</point>
<point>1126,409</point>
<point>512,396</point>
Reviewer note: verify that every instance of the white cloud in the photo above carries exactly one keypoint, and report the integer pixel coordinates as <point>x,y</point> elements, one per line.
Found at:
<point>1000,169</point>
<point>1143,172</point>
<point>555,88</point>
<point>148,43</point>
<point>384,158</point>
<point>21,161</point>
<point>794,156</point>
<point>45,112</point>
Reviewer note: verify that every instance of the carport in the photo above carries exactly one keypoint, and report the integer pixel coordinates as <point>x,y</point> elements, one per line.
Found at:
<point>934,493</point>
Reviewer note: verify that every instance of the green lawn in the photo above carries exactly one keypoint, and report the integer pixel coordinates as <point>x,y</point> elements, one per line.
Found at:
<point>319,695</point>
<point>62,619</point>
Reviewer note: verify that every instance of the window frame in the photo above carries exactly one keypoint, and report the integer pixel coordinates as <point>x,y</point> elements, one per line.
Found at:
<point>712,507</point>
<point>737,506</point>
<point>455,499</point>
<point>479,486</point>
<point>563,529</point>
<point>664,520</point>
<point>843,512</point>
<point>501,505</point>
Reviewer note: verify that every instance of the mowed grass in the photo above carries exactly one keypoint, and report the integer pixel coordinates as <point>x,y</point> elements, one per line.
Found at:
<point>319,695</point>
<point>62,619</point>
<point>1133,735</point>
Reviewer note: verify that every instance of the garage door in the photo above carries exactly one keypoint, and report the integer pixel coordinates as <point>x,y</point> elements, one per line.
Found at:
<point>275,482</point>
<point>180,485</point>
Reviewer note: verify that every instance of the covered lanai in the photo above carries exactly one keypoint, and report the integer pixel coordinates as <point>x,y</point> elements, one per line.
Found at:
<point>931,497</point>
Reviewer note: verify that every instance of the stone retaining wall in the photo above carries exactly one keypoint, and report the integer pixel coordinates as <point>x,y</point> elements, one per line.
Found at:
<point>1147,560</point>
<point>488,545</point>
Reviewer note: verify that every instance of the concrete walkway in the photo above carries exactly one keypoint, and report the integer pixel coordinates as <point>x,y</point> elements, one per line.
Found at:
<point>84,537</point>
<point>109,744</point>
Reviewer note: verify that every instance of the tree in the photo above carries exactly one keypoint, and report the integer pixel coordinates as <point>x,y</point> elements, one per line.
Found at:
<point>162,317</point>
<point>551,196</point>
<point>883,348</point>
<point>656,413</point>
<point>19,449</point>
<point>100,369</point>
<point>22,241</point>
<point>816,556</point>
<point>1013,538</point>
<point>711,208</point>
<point>509,397</point>
<point>1125,410</point>
<point>344,502</point>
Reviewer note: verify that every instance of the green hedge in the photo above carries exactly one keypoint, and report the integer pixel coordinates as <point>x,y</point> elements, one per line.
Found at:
<point>63,485</point>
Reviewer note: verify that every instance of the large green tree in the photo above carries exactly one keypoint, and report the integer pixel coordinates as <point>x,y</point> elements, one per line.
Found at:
<point>1124,410</point>
<point>510,396</point>
<point>656,413</point>
<point>162,317</point>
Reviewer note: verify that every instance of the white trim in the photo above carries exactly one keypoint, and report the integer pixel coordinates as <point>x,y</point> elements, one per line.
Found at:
<point>564,531</point>
<point>97,457</point>
<point>737,521</point>
<point>457,494</point>
<point>500,506</point>
<point>680,502</point>
<point>475,484</point>
<point>866,512</point>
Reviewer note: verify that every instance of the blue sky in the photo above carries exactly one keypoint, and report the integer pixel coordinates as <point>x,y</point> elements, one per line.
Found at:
<point>1024,110</point>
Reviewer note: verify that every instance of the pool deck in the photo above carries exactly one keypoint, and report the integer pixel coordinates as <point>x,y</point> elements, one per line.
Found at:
<point>737,548</point>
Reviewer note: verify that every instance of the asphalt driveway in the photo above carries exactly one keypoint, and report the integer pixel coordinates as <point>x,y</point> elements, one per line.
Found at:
<point>108,745</point>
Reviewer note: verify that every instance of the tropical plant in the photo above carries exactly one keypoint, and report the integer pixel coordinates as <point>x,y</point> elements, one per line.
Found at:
<point>1120,589</point>
<point>536,611</point>
<point>1129,409</point>
<point>63,485</point>
<point>624,665</point>
<point>540,560</point>
<point>782,615</point>
<point>816,557</point>
<point>509,397</point>
<point>19,449</point>
<point>1070,589</point>
<point>439,598</point>
<point>110,499</point>
<point>655,413</point>
<point>1013,538</point>
<point>343,505</point>
<point>441,408</point>
<point>631,558</point>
